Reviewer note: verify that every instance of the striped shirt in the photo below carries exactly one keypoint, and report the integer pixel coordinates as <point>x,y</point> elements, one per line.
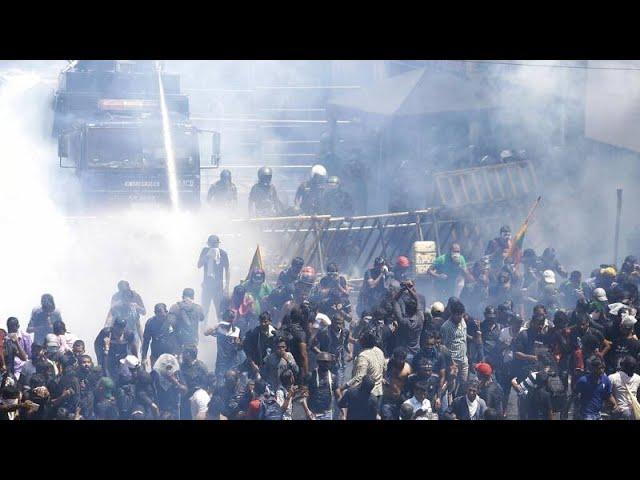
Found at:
<point>454,337</point>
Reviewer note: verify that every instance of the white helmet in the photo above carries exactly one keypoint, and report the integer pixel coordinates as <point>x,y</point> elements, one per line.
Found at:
<point>318,170</point>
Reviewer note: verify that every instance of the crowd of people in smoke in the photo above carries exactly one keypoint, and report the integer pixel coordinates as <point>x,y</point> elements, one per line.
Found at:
<point>507,337</point>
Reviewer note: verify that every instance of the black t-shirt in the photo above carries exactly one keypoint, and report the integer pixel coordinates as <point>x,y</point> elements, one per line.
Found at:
<point>539,401</point>
<point>588,342</point>
<point>321,390</point>
<point>528,343</point>
<point>359,406</point>
<point>161,335</point>
<point>621,348</point>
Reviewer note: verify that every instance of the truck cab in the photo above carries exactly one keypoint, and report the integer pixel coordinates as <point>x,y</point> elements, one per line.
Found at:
<point>109,129</point>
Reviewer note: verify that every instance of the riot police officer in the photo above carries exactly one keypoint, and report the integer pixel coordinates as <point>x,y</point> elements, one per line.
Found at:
<point>335,200</point>
<point>309,194</point>
<point>223,193</point>
<point>263,198</point>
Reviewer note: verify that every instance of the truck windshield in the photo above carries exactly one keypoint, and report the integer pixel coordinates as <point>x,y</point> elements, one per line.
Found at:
<point>137,148</point>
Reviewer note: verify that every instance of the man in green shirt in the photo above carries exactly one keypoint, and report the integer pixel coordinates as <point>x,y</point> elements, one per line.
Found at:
<point>449,270</point>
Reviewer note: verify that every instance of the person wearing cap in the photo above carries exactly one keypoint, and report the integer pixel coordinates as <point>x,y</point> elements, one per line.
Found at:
<point>125,391</point>
<point>402,269</point>
<point>593,390</point>
<point>598,306</point>
<point>323,388</point>
<point>228,343</point>
<point>623,344</point>
<point>159,333</point>
<point>112,345</point>
<point>215,283</point>
<point>187,316</point>
<point>435,320</point>
<point>548,261</point>
<point>490,391</point>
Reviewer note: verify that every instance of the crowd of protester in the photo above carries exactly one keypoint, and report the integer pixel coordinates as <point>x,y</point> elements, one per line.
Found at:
<point>508,337</point>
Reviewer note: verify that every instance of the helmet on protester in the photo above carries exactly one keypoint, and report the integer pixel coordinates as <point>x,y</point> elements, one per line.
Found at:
<point>403,261</point>
<point>318,172</point>
<point>264,175</point>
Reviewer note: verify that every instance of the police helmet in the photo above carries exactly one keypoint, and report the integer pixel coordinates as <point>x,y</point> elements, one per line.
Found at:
<point>265,174</point>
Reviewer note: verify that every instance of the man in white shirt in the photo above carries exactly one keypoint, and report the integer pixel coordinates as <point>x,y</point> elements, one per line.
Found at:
<point>200,399</point>
<point>419,402</point>
<point>625,384</point>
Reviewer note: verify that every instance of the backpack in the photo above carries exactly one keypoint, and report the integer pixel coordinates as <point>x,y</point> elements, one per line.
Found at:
<point>557,391</point>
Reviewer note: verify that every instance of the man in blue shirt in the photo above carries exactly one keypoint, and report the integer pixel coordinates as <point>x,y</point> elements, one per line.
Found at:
<point>593,389</point>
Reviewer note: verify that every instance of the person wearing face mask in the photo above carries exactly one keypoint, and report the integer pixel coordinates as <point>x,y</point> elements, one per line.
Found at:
<point>215,283</point>
<point>450,271</point>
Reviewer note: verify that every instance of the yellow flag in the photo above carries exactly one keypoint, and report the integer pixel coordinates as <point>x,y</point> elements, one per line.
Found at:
<point>256,263</point>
